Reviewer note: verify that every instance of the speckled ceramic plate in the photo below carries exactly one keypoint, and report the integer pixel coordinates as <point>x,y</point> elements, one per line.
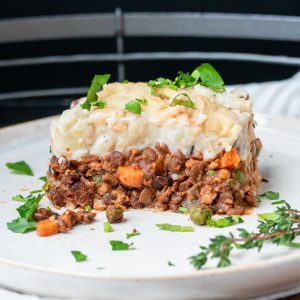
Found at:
<point>45,266</point>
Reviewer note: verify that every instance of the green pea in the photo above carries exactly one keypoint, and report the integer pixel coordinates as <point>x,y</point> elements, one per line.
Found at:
<point>200,215</point>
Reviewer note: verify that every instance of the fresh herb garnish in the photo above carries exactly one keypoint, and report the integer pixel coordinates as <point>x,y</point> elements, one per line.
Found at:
<point>184,80</point>
<point>209,77</point>
<point>211,173</point>
<point>43,178</point>
<point>19,198</point>
<point>107,227</point>
<point>182,210</point>
<point>133,233</point>
<point>125,81</point>
<point>79,256</point>
<point>270,195</point>
<point>184,101</point>
<point>267,216</point>
<point>279,228</point>
<point>224,222</point>
<point>134,106</point>
<point>92,98</point>
<point>205,75</point>
<point>25,223</point>
<point>239,176</point>
<point>175,228</point>
<point>88,208</point>
<point>120,246</point>
<point>99,104</point>
<point>21,225</point>
<point>29,207</point>
<point>35,191</point>
<point>20,167</point>
<point>141,101</point>
<point>170,264</point>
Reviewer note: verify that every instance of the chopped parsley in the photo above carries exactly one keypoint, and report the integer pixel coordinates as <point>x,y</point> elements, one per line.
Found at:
<point>270,195</point>
<point>182,210</point>
<point>209,77</point>
<point>79,256</point>
<point>43,178</point>
<point>224,222</point>
<point>267,216</point>
<point>175,228</point>
<point>25,223</point>
<point>19,198</point>
<point>120,246</point>
<point>107,227</point>
<point>184,80</point>
<point>132,234</point>
<point>88,208</point>
<point>35,191</point>
<point>21,225</point>
<point>186,101</point>
<point>211,173</point>
<point>20,167</point>
<point>134,106</point>
<point>29,207</point>
<point>170,264</point>
<point>92,98</point>
<point>239,176</point>
<point>205,75</point>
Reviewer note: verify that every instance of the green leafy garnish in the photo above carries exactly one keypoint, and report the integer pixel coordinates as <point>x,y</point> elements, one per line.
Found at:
<point>270,195</point>
<point>24,223</point>
<point>209,77</point>
<point>205,74</point>
<point>20,167</point>
<point>19,198</point>
<point>184,80</point>
<point>107,227</point>
<point>92,98</point>
<point>186,101</point>
<point>88,208</point>
<point>170,264</point>
<point>134,107</point>
<point>79,257</point>
<point>211,173</point>
<point>224,222</point>
<point>29,207</point>
<point>267,216</point>
<point>125,81</point>
<point>35,191</point>
<point>133,233</point>
<point>43,178</point>
<point>99,104</point>
<point>175,228</point>
<point>280,227</point>
<point>21,225</point>
<point>141,101</point>
<point>182,210</point>
<point>239,176</point>
<point>120,246</point>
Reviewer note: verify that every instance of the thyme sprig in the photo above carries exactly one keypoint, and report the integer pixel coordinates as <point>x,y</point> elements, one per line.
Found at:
<point>281,230</point>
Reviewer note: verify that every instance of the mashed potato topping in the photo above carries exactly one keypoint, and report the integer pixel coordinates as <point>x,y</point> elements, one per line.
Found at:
<point>216,123</point>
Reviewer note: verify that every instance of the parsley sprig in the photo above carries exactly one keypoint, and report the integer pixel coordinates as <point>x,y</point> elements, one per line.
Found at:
<point>25,223</point>
<point>91,97</point>
<point>205,75</point>
<point>279,228</point>
<point>20,167</point>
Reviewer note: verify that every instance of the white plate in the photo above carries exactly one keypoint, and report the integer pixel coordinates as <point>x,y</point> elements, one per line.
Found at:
<point>45,266</point>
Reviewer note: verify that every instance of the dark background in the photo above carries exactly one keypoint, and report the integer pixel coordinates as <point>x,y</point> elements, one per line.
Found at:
<point>13,79</point>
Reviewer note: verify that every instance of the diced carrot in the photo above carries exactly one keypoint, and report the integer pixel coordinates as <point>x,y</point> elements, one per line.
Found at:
<point>46,228</point>
<point>230,159</point>
<point>130,176</point>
